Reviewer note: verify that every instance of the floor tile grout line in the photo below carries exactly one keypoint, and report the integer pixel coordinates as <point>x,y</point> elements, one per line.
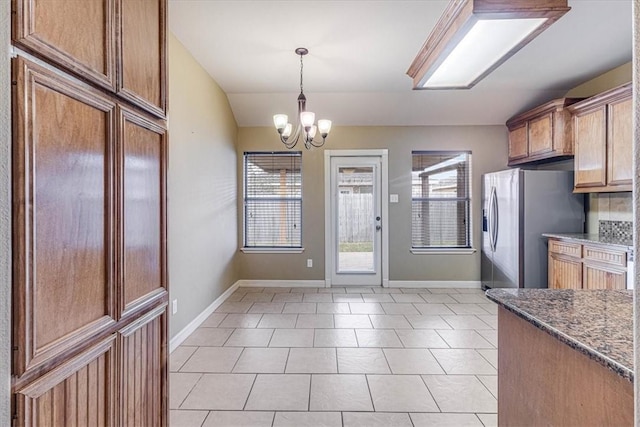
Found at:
<point>430,393</point>
<point>253,383</point>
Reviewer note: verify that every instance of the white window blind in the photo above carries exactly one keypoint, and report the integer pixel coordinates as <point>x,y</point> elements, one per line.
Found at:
<point>273,199</point>
<point>440,199</point>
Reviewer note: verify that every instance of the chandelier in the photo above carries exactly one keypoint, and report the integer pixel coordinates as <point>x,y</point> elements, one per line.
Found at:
<point>305,126</point>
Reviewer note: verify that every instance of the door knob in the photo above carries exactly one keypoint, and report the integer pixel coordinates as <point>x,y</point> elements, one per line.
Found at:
<point>377,218</point>
<point>378,227</point>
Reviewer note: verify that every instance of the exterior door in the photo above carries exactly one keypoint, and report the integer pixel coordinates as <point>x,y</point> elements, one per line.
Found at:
<point>356,220</point>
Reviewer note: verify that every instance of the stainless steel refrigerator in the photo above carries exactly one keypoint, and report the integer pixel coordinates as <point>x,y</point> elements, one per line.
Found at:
<point>517,207</point>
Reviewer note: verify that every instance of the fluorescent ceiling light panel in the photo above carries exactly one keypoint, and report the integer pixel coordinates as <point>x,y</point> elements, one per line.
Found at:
<point>473,37</point>
<point>486,43</point>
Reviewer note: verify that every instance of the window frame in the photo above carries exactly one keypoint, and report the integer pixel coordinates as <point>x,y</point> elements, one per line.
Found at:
<point>245,198</point>
<point>448,250</point>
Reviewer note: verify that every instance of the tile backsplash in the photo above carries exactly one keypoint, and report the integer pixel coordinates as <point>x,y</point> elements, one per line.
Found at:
<point>608,207</point>
<point>616,228</point>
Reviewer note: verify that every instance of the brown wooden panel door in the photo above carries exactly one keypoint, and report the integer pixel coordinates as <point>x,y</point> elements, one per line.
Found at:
<point>144,371</point>
<point>143,160</point>
<point>63,210</point>
<point>620,144</point>
<point>143,43</point>
<point>541,135</point>
<point>564,273</point>
<point>518,147</point>
<point>76,35</point>
<point>590,149</point>
<point>602,277</point>
<point>79,393</point>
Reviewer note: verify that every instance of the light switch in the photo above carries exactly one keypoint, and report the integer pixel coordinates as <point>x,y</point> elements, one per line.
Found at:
<point>393,198</point>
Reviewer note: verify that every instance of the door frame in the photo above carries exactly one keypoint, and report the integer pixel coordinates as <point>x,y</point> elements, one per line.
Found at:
<point>6,52</point>
<point>383,154</point>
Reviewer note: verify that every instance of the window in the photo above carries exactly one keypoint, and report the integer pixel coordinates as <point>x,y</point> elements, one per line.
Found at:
<point>440,199</point>
<point>273,200</point>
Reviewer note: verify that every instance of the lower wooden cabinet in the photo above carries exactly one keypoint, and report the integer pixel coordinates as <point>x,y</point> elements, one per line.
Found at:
<point>120,381</point>
<point>576,266</point>
<point>564,272</point>
<point>597,276</point>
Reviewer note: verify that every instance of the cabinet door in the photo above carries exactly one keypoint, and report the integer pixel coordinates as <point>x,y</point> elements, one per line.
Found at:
<point>620,144</point>
<point>603,277</point>
<point>143,166</point>
<point>78,36</point>
<point>79,393</point>
<point>518,143</point>
<point>143,371</point>
<point>541,135</point>
<point>64,216</point>
<point>564,272</point>
<point>142,67</point>
<point>590,149</point>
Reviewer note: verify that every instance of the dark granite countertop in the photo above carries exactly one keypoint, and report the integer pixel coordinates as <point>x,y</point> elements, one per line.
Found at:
<point>624,243</point>
<point>598,323</point>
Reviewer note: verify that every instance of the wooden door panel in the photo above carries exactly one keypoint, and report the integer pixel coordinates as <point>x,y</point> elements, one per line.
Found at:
<point>81,392</point>
<point>143,146</point>
<point>78,36</point>
<point>63,233</point>
<point>518,147</point>
<point>590,153</point>
<point>143,366</point>
<point>541,135</point>
<point>143,60</point>
<point>600,277</point>
<point>620,144</point>
<point>564,273</point>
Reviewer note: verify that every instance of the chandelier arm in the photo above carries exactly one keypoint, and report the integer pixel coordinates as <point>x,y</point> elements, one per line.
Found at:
<point>317,144</point>
<point>293,138</point>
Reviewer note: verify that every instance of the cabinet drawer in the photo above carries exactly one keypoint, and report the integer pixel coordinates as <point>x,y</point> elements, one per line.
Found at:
<point>566,248</point>
<point>608,256</point>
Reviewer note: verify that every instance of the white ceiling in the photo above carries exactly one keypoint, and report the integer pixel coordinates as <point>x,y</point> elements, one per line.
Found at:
<point>359,52</point>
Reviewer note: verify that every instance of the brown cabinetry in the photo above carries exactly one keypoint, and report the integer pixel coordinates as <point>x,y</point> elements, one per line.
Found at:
<point>542,133</point>
<point>119,45</point>
<point>603,142</point>
<point>89,267</point>
<point>577,266</point>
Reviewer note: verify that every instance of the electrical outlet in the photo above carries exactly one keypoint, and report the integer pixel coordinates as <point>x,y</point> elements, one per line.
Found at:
<point>309,263</point>
<point>174,306</point>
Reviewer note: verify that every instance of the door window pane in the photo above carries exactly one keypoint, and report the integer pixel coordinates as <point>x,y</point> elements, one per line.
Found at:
<point>356,219</point>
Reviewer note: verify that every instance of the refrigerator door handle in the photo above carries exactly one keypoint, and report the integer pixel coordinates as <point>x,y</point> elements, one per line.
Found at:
<point>491,222</point>
<point>494,218</point>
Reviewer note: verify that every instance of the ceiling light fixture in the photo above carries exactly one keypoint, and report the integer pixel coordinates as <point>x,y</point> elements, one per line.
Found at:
<point>305,126</point>
<point>474,37</point>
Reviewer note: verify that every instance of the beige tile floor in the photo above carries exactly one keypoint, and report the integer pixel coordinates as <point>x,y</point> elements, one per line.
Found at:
<point>340,357</point>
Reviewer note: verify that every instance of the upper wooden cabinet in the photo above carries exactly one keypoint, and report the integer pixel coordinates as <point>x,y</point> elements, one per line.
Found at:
<point>542,133</point>
<point>80,39</point>
<point>119,45</point>
<point>603,141</point>
<point>142,67</point>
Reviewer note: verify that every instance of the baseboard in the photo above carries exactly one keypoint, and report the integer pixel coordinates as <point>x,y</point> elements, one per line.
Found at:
<point>195,323</point>
<point>426,284</point>
<point>281,283</point>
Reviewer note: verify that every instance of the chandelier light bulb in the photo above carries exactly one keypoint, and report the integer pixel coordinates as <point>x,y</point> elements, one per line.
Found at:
<point>280,121</point>
<point>324,126</point>
<point>287,130</point>
<point>312,132</point>
<point>307,118</point>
